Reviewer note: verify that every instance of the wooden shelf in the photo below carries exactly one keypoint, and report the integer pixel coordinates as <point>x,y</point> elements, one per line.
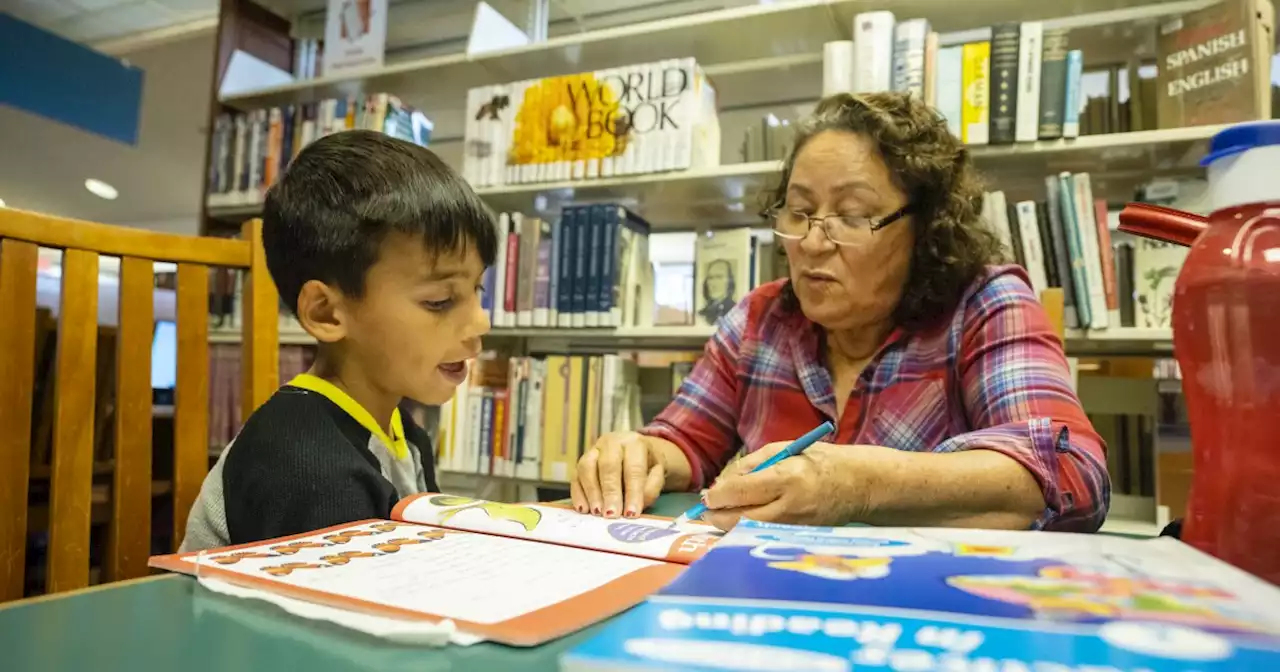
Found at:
<point>729,195</point>
<point>737,47</point>
<point>1114,341</point>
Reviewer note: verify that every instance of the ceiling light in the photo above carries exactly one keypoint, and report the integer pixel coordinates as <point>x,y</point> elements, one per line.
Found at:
<point>1,202</point>
<point>101,189</point>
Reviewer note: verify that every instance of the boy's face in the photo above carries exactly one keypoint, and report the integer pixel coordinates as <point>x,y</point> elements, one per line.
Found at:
<point>418,322</point>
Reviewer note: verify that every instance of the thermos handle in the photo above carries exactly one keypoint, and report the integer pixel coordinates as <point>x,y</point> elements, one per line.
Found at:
<point>1163,224</point>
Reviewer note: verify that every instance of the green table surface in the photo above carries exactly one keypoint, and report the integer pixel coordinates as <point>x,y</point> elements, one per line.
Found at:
<point>172,623</point>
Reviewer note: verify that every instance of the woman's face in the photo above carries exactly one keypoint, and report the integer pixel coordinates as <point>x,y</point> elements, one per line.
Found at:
<point>847,286</point>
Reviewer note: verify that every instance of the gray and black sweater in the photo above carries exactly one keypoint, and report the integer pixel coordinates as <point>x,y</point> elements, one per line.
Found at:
<point>301,463</point>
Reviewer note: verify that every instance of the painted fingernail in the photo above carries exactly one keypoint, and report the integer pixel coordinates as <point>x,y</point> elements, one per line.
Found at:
<point>595,511</point>
<point>580,509</point>
<point>608,513</point>
<point>630,513</point>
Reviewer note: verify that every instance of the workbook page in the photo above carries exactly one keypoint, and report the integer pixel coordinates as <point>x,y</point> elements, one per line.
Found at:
<point>646,537</point>
<point>507,589</point>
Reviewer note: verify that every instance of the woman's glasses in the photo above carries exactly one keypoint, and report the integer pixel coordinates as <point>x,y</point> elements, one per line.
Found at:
<point>840,229</point>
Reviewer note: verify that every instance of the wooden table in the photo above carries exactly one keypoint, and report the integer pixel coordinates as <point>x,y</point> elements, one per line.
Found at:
<point>171,623</point>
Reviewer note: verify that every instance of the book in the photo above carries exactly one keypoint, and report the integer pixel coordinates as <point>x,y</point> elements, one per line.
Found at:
<point>820,598</point>
<point>976,102</point>
<point>1005,47</point>
<point>519,574</point>
<point>873,46</point>
<point>1030,50</point>
<point>950,90</point>
<point>641,118</point>
<point>1053,83</point>
<point>1215,64</point>
<point>910,41</point>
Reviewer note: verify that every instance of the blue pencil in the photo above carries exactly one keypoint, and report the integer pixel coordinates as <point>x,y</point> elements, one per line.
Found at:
<point>798,446</point>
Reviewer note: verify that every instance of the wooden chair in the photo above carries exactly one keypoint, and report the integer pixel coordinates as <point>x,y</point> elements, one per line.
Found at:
<point>128,548</point>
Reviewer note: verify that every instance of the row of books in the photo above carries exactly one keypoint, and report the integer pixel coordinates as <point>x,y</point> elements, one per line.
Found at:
<point>533,417</point>
<point>1021,82</point>
<point>1065,240</point>
<point>251,149</point>
<point>588,268</point>
<point>636,119</point>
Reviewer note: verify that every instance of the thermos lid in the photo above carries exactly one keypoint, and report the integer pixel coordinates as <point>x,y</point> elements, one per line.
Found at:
<point>1241,138</point>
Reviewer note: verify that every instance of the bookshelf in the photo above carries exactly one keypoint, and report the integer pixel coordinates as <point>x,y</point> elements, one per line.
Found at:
<point>744,40</point>
<point>727,195</point>
<point>1092,342</point>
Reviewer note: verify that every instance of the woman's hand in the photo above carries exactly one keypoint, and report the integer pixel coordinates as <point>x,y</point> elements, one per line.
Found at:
<point>622,474</point>
<point>825,485</point>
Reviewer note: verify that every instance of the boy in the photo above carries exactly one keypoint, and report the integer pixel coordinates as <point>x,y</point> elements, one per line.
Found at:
<point>378,248</point>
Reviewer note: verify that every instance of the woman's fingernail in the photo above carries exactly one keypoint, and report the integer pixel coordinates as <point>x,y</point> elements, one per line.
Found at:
<point>608,513</point>
<point>595,511</point>
<point>630,513</point>
<point>580,509</point>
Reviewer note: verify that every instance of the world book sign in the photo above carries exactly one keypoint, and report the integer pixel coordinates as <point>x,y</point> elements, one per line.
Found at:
<point>1214,65</point>
<point>634,119</point>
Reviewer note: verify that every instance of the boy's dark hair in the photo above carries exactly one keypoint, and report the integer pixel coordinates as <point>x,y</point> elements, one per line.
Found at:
<point>327,216</point>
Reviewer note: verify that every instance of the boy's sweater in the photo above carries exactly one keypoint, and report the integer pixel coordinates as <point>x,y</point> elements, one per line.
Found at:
<point>309,458</point>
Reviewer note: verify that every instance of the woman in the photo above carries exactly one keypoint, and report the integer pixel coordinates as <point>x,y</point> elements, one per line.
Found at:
<point>948,387</point>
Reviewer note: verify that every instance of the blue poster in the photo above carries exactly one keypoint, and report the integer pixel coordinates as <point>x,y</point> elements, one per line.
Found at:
<point>779,597</point>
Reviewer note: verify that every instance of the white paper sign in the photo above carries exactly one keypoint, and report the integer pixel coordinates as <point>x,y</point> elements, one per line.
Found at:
<point>355,36</point>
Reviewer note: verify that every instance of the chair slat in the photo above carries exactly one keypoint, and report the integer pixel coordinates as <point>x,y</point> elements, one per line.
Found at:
<point>129,541</point>
<point>73,416</point>
<point>18,261</point>
<point>191,396</point>
<point>260,352</point>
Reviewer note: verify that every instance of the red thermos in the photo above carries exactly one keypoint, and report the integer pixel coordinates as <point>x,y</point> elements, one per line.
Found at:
<point>1226,337</point>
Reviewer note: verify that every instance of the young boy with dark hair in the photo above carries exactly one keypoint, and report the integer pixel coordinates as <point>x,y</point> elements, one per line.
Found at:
<point>378,248</point>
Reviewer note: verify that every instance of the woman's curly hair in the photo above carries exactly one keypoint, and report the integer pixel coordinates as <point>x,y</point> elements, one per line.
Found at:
<point>953,245</point>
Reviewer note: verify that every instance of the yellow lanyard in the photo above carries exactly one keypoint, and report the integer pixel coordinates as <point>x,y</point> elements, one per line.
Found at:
<point>396,443</point>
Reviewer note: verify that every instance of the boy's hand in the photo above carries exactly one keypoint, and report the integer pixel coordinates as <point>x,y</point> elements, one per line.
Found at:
<point>621,475</point>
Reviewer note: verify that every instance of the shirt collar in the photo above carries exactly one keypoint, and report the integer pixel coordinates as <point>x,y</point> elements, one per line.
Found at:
<point>395,443</point>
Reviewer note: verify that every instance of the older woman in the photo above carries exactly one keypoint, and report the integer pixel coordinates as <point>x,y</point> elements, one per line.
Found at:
<point>948,387</point>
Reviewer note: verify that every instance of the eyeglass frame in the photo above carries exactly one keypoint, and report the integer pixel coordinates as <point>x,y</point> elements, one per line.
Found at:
<point>876,225</point>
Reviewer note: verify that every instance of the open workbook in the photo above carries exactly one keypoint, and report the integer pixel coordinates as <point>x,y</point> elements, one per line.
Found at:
<point>520,574</point>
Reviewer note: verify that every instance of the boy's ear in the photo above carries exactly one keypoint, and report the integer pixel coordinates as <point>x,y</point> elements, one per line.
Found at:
<point>322,311</point>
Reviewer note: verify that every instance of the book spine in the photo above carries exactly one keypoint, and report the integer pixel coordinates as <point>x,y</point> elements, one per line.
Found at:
<point>531,429</point>
<point>595,252</point>
<point>1071,109</point>
<point>1061,249</point>
<point>1075,243</point>
<point>951,88</point>
<point>1053,83</point>
<point>565,268</point>
<point>609,304</point>
<point>873,52</point>
<point>1084,209</point>
<point>528,267</point>
<point>510,293</point>
<point>1005,45</point>
<point>553,276</point>
<point>542,276</point>
<point>1124,284</point>
<point>580,251</point>
<point>931,69</point>
<point>1108,261</point>
<point>976,104</point>
<point>909,56</point>
<point>1032,253</point>
<point>1030,51</point>
<point>1049,252</point>
<point>498,317</point>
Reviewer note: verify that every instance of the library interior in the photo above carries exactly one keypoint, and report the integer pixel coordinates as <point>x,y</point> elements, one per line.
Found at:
<point>496,334</point>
